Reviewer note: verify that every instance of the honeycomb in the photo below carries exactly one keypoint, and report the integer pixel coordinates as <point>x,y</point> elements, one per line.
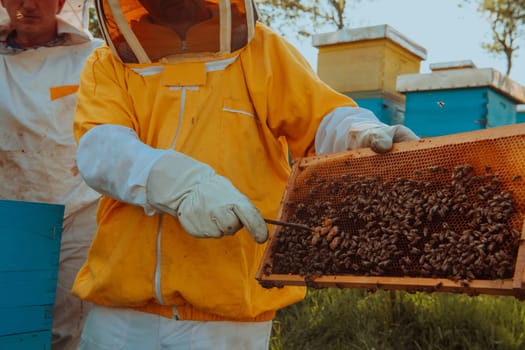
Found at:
<point>449,207</point>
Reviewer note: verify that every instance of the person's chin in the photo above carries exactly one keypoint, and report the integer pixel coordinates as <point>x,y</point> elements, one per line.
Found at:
<point>29,22</point>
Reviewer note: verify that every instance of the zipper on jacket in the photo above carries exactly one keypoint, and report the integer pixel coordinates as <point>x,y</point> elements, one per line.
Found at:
<point>157,266</point>
<point>158,272</point>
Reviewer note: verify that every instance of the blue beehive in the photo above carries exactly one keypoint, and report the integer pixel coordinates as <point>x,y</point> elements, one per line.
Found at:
<point>457,97</point>
<point>387,107</point>
<point>520,113</point>
<point>30,236</point>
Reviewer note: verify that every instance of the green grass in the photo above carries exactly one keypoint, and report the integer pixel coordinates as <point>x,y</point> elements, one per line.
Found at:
<point>336,319</point>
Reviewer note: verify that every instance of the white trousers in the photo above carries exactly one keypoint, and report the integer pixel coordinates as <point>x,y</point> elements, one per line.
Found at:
<point>115,328</point>
<point>71,312</point>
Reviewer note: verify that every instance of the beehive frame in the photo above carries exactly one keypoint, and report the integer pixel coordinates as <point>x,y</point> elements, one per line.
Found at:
<point>501,149</point>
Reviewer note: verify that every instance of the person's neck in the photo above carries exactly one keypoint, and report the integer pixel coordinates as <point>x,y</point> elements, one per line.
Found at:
<point>182,27</point>
<point>26,40</point>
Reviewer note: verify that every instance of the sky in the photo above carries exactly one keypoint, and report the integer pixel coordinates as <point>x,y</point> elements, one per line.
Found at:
<point>446,31</point>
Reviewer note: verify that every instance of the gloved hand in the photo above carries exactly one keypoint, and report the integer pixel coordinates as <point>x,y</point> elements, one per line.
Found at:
<point>206,204</point>
<point>347,128</point>
<point>381,138</point>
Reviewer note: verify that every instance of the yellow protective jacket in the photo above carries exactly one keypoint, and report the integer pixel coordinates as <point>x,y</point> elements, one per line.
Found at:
<point>241,115</point>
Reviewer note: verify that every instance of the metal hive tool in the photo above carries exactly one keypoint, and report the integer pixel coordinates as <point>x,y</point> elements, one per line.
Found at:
<point>438,214</point>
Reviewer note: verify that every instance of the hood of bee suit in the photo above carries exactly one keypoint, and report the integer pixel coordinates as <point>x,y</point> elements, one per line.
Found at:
<point>75,12</point>
<point>149,31</point>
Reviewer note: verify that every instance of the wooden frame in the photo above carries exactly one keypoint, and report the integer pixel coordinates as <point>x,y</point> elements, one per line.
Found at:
<point>514,287</point>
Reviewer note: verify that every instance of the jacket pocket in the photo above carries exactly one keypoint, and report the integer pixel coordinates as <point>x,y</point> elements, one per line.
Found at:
<point>239,106</point>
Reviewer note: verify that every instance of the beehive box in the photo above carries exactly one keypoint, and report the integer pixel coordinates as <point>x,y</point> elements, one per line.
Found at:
<point>367,59</point>
<point>389,108</point>
<point>438,214</point>
<point>520,113</point>
<point>449,111</point>
<point>456,98</point>
<point>30,236</point>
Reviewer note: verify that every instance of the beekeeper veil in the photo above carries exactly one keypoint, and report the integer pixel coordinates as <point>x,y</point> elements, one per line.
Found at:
<point>148,31</point>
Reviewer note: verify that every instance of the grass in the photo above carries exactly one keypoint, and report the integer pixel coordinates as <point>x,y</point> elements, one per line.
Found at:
<point>337,319</point>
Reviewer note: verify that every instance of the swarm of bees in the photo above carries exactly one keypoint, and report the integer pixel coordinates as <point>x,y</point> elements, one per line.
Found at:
<point>442,223</point>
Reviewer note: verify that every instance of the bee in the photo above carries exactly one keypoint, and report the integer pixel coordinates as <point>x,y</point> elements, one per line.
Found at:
<point>335,243</point>
<point>464,283</point>
<point>316,238</point>
<point>415,250</point>
<point>470,276</point>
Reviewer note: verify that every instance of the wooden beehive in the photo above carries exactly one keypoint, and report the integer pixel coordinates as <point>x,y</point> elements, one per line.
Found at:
<point>452,100</point>
<point>30,236</point>
<point>438,214</point>
<point>367,59</point>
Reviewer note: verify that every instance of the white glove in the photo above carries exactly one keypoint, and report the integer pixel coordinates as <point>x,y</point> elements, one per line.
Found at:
<point>348,128</point>
<point>206,204</point>
<point>381,138</point>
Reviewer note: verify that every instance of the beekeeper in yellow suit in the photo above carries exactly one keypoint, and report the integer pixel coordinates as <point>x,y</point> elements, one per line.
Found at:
<point>41,57</point>
<point>185,122</point>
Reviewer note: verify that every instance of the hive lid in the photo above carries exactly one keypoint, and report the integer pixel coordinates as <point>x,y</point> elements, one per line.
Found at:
<point>461,79</point>
<point>383,31</point>
<point>462,64</point>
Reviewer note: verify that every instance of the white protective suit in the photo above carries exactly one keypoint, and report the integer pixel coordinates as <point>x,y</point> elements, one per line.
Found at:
<point>38,152</point>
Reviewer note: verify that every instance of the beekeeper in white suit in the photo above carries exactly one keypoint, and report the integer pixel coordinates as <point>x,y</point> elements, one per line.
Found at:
<point>185,122</point>
<point>41,59</point>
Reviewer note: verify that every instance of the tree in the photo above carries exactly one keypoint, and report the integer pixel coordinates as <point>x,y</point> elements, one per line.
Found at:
<point>507,21</point>
<point>93,25</point>
<point>288,17</point>
<point>303,18</point>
